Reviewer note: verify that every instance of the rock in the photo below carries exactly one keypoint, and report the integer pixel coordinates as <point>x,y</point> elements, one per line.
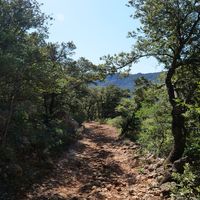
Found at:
<point>160,178</point>
<point>74,198</point>
<point>119,189</point>
<point>138,178</point>
<point>146,196</point>
<point>166,187</point>
<point>94,187</point>
<point>156,193</point>
<point>131,191</point>
<point>160,171</point>
<point>109,186</point>
<point>125,148</point>
<point>153,185</point>
<point>132,180</point>
<point>152,175</point>
<point>166,177</point>
<point>152,167</point>
<point>178,165</point>
<point>133,147</point>
<point>135,163</point>
<point>160,162</point>
<point>97,182</point>
<point>117,184</point>
<point>135,198</point>
<point>136,157</point>
<point>86,188</point>
<point>150,159</point>
<point>123,184</point>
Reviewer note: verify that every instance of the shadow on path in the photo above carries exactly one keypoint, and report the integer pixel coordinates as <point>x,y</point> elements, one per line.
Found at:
<point>85,170</point>
<point>96,167</point>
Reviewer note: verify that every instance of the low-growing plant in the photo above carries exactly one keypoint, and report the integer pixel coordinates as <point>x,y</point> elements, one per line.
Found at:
<point>187,186</point>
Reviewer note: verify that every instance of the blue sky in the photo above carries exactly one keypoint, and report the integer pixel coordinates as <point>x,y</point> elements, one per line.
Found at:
<point>97,27</point>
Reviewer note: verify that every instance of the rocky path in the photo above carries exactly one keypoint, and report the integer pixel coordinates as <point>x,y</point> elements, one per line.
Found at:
<point>100,167</point>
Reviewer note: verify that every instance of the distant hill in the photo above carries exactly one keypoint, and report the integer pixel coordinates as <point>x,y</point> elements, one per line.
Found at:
<point>126,82</point>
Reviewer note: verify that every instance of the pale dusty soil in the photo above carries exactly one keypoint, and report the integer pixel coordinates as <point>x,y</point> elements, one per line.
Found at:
<point>99,166</point>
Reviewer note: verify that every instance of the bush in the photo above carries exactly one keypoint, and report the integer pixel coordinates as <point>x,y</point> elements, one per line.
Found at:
<point>187,186</point>
<point>116,122</point>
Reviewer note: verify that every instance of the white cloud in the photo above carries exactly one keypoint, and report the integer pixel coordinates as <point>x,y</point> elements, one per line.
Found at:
<point>60,17</point>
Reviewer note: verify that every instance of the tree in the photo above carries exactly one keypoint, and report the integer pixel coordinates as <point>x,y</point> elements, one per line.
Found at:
<point>154,114</point>
<point>42,90</point>
<point>18,18</point>
<point>170,32</point>
<point>129,123</point>
<point>141,84</point>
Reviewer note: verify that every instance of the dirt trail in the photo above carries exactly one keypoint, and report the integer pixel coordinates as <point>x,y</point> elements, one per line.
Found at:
<point>99,167</point>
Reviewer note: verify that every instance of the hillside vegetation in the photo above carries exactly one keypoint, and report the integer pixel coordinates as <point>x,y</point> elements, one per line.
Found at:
<point>127,82</point>
<point>46,99</point>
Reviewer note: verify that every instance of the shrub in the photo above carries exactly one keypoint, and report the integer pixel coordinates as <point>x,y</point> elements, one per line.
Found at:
<point>187,186</point>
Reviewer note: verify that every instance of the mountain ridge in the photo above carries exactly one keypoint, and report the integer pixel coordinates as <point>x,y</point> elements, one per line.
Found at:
<point>128,81</point>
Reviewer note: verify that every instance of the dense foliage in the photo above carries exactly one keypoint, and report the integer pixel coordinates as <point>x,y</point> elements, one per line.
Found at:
<point>45,94</point>
<point>169,32</point>
<point>145,116</point>
<point>101,102</point>
<point>42,91</point>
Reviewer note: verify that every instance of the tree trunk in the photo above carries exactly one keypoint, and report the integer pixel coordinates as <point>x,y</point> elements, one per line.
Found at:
<point>46,114</point>
<point>52,103</point>
<point>7,124</point>
<point>178,131</point>
<point>178,122</point>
